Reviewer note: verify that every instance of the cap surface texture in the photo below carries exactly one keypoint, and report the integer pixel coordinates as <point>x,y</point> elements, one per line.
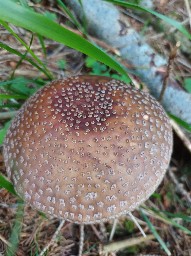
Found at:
<point>88,148</point>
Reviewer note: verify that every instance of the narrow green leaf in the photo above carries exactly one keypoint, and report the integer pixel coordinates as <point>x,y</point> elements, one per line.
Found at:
<point>155,233</point>
<point>172,221</point>
<point>17,80</point>
<point>12,96</point>
<point>169,221</point>
<point>187,84</point>
<point>22,17</point>
<point>168,20</point>
<point>70,15</point>
<point>3,132</point>
<point>10,106</point>
<point>43,67</point>
<point>21,59</point>
<point>4,183</point>
<point>22,85</point>
<point>178,215</point>
<point>11,50</point>
<point>41,40</point>
<point>16,231</point>
<point>181,122</point>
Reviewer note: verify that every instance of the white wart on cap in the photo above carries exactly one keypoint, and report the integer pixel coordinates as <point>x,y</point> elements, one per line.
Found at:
<point>88,148</point>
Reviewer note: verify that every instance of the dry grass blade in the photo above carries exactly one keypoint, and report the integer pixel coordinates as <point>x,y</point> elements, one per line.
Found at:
<point>4,240</point>
<point>7,115</point>
<point>116,246</point>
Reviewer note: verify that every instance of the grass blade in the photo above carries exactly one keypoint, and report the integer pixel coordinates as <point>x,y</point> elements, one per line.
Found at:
<point>3,132</point>
<point>12,96</point>
<point>4,183</point>
<point>70,15</point>
<point>8,28</point>
<point>168,20</point>
<point>11,50</point>
<point>181,122</point>
<point>16,231</point>
<point>178,215</point>
<point>28,19</point>
<point>171,221</point>
<point>155,233</point>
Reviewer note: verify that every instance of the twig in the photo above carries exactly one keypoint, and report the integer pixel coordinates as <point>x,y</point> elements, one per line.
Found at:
<point>99,235</point>
<point>7,115</point>
<point>171,58</point>
<point>181,135</point>
<point>188,10</point>
<point>52,241</point>
<point>116,246</point>
<point>179,186</point>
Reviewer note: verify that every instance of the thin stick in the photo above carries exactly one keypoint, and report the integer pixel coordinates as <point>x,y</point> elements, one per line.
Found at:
<point>171,58</point>
<point>136,223</point>
<point>52,241</point>
<point>113,229</point>
<point>81,244</point>
<point>99,235</point>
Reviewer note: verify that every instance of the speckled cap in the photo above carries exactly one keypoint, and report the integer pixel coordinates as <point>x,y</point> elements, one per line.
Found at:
<point>88,148</point>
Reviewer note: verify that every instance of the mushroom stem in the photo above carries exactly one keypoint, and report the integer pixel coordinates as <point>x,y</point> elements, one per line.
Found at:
<point>136,223</point>
<point>81,243</point>
<point>113,229</point>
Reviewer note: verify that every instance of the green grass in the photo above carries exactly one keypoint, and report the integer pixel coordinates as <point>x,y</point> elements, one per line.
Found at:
<point>180,122</point>
<point>99,69</point>
<point>4,183</point>
<point>187,84</point>
<point>41,25</point>
<point>16,230</point>
<point>155,233</point>
<point>168,20</point>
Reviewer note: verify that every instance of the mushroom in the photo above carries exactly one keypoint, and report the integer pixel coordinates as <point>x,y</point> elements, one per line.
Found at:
<point>88,149</point>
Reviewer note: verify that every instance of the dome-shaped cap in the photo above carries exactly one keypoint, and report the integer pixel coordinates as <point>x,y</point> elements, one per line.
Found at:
<point>88,148</point>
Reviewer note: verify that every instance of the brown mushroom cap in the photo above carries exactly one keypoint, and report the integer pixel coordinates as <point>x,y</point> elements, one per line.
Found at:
<point>88,148</point>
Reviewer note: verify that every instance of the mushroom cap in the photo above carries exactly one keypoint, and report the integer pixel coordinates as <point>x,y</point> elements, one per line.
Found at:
<point>88,148</point>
